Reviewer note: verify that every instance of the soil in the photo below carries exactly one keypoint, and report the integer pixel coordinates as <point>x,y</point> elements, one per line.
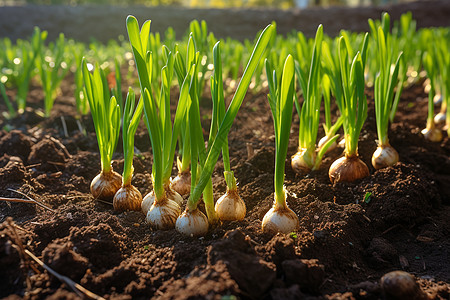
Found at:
<point>344,245</point>
<point>351,233</point>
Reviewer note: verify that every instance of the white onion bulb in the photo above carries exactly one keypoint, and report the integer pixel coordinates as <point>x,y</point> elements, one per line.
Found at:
<point>163,214</point>
<point>384,156</point>
<point>105,185</point>
<point>324,140</point>
<point>192,223</point>
<point>280,219</point>
<point>440,118</point>
<point>432,134</point>
<point>127,198</point>
<point>182,183</point>
<point>148,200</point>
<point>303,161</point>
<point>230,207</point>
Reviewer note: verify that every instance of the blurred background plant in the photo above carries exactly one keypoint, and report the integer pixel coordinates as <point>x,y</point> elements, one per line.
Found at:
<point>283,4</point>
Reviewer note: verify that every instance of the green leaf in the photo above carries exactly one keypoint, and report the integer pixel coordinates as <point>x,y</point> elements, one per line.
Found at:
<point>231,113</point>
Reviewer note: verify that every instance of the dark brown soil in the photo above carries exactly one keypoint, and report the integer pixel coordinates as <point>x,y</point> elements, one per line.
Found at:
<point>342,249</point>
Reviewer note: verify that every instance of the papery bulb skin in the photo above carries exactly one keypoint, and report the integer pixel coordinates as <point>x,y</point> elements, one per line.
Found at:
<point>148,200</point>
<point>303,161</point>
<point>432,134</point>
<point>192,223</point>
<point>173,195</point>
<point>437,99</point>
<point>230,207</point>
<point>182,183</point>
<point>105,185</point>
<point>440,118</point>
<point>348,169</point>
<point>341,143</point>
<point>163,214</point>
<point>127,198</point>
<point>384,156</point>
<point>323,141</point>
<point>280,219</point>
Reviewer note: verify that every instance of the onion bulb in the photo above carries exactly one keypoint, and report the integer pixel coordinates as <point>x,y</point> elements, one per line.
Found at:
<point>280,219</point>
<point>230,207</point>
<point>348,169</point>
<point>148,200</point>
<point>182,183</point>
<point>437,99</point>
<point>432,134</point>
<point>440,118</point>
<point>105,185</point>
<point>192,223</point>
<point>163,214</point>
<point>324,140</point>
<point>384,156</point>
<point>127,198</point>
<point>303,161</point>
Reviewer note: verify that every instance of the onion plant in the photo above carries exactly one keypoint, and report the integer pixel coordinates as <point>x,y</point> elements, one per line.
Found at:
<point>199,32</point>
<point>106,115</point>
<point>192,220</point>
<point>403,34</point>
<point>116,85</point>
<point>128,197</point>
<point>52,68</point>
<point>182,182</point>
<point>81,102</point>
<point>280,218</point>
<point>232,58</point>
<point>21,66</point>
<point>430,132</point>
<point>230,206</point>
<point>354,110</point>
<point>11,110</point>
<point>331,82</point>
<point>385,82</point>
<point>197,143</point>
<point>406,34</point>
<point>328,142</point>
<point>441,50</point>
<point>444,47</point>
<point>308,157</point>
<point>162,205</point>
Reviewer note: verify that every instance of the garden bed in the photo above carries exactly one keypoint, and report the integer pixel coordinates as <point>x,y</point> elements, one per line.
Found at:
<point>343,247</point>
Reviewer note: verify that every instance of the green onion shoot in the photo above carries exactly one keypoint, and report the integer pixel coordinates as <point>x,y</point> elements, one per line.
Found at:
<point>307,158</point>
<point>350,168</point>
<point>331,83</point>
<point>329,141</point>
<point>385,82</point>
<point>192,221</point>
<point>280,218</point>
<point>230,206</point>
<point>162,205</point>
<point>182,182</point>
<point>430,132</point>
<point>52,69</point>
<point>128,197</point>
<point>106,115</point>
<point>197,144</point>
